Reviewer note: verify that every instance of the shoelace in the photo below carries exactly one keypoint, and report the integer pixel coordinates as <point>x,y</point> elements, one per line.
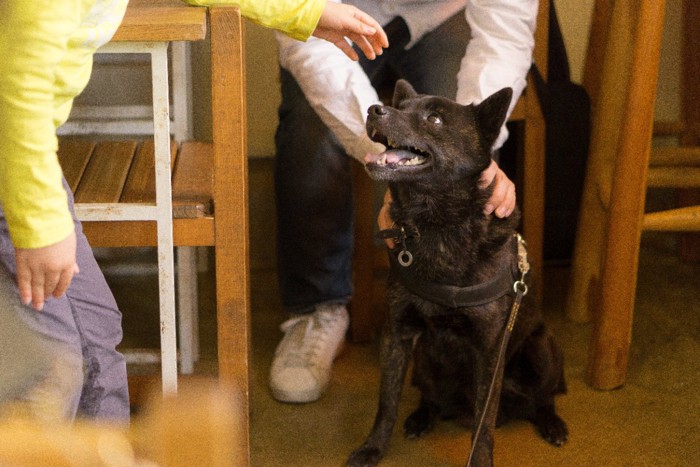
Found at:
<point>305,355</point>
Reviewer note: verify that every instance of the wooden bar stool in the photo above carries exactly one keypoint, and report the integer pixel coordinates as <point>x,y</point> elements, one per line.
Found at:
<point>623,92</point>
<point>128,196</point>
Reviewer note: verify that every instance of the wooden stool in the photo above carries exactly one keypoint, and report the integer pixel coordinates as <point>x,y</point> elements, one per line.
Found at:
<point>604,269</point>
<point>116,183</point>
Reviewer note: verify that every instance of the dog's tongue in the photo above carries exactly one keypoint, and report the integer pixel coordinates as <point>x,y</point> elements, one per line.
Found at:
<point>391,156</point>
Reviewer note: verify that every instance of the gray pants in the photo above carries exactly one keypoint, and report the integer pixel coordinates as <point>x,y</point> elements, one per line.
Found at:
<point>86,376</point>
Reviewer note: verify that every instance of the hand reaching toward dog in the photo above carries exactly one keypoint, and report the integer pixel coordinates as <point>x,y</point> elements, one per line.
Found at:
<point>501,203</point>
<point>339,21</point>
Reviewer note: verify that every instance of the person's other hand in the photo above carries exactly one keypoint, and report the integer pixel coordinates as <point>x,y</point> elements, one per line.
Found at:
<point>47,271</point>
<point>502,200</point>
<point>339,21</point>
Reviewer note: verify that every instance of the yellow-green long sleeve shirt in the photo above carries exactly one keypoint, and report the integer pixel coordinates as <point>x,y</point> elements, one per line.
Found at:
<point>46,49</point>
<point>296,18</point>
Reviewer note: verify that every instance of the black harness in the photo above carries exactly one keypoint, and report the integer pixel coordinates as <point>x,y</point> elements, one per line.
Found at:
<point>504,283</point>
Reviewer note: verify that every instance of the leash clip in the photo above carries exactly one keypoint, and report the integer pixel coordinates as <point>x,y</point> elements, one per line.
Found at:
<point>520,286</point>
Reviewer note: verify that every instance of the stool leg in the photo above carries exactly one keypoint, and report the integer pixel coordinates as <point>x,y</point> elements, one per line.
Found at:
<point>164,216</point>
<point>188,326</point>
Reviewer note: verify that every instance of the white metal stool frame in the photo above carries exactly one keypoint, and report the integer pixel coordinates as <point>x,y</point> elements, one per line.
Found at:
<point>138,120</point>
<point>161,212</point>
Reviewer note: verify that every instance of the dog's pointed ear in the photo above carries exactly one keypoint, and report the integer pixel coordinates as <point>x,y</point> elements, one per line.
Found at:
<point>491,113</point>
<point>402,90</point>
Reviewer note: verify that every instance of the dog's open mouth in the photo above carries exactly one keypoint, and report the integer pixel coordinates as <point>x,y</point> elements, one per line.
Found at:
<point>396,156</point>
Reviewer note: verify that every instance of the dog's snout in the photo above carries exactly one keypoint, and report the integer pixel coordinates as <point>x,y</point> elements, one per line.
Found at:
<point>378,110</point>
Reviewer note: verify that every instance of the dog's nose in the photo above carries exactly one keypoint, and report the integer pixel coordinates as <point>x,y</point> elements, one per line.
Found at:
<point>378,110</point>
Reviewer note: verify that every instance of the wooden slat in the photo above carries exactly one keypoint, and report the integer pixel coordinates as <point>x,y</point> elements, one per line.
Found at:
<point>186,232</point>
<point>74,155</point>
<point>685,219</point>
<point>106,173</point>
<point>668,128</point>
<point>193,180</point>
<point>140,186</point>
<point>675,156</point>
<point>162,20</point>
<point>674,177</point>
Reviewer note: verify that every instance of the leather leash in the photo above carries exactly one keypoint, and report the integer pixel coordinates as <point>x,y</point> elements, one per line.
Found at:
<point>520,289</point>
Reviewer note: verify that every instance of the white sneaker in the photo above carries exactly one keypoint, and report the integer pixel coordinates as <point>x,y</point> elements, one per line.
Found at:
<point>303,360</point>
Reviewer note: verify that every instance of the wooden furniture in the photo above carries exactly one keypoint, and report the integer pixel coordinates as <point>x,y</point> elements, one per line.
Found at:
<point>370,259</point>
<point>687,131</point>
<point>605,260</point>
<point>114,183</point>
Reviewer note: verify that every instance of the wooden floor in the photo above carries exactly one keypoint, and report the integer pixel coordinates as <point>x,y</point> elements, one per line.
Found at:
<point>652,421</point>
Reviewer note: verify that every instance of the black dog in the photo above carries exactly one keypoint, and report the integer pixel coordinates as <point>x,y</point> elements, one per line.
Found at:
<point>453,281</point>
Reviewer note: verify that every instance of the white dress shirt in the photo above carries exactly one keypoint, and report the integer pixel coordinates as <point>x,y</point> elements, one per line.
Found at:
<point>498,55</point>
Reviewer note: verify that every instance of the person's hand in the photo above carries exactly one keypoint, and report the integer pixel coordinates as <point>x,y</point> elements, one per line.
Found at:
<point>502,200</point>
<point>339,21</point>
<point>384,220</point>
<point>47,271</point>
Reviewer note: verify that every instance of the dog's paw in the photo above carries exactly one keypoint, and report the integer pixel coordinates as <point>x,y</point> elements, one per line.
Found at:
<point>417,424</point>
<point>365,456</point>
<point>552,428</point>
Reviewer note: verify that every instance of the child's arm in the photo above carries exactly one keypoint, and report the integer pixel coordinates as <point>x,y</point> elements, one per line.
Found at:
<point>326,19</point>
<point>31,193</point>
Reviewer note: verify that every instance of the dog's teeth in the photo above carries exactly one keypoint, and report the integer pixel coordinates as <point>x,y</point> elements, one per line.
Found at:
<point>374,133</point>
<point>415,161</point>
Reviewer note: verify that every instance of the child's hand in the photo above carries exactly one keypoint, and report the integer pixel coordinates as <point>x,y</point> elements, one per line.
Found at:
<point>339,21</point>
<point>47,271</point>
<point>502,200</point>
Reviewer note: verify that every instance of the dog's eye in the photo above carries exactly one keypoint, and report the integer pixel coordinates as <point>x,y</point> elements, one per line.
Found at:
<point>435,119</point>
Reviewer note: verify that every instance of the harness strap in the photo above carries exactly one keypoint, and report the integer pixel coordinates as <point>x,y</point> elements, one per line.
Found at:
<point>455,296</point>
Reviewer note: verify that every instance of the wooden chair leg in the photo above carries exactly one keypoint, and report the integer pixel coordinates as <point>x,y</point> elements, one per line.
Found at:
<point>232,263</point>
<point>587,255</point>
<point>610,344</point>
<point>533,164</point>
<point>584,283</point>
<point>363,322</point>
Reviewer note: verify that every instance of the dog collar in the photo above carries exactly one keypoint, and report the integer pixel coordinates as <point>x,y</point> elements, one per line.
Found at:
<point>509,280</point>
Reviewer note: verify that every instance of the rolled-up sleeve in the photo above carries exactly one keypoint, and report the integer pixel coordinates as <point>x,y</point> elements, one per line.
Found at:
<point>296,18</point>
<point>499,53</point>
<point>337,88</point>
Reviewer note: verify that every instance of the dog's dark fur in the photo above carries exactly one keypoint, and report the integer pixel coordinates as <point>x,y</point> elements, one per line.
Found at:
<point>440,204</point>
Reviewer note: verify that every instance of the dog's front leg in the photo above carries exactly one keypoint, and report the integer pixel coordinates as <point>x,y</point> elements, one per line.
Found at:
<point>395,353</point>
<point>484,425</point>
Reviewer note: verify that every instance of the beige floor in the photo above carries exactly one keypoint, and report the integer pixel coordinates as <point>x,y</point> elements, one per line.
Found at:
<point>654,420</point>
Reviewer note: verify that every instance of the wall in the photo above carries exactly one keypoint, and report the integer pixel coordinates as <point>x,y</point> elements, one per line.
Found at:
<point>263,94</point>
